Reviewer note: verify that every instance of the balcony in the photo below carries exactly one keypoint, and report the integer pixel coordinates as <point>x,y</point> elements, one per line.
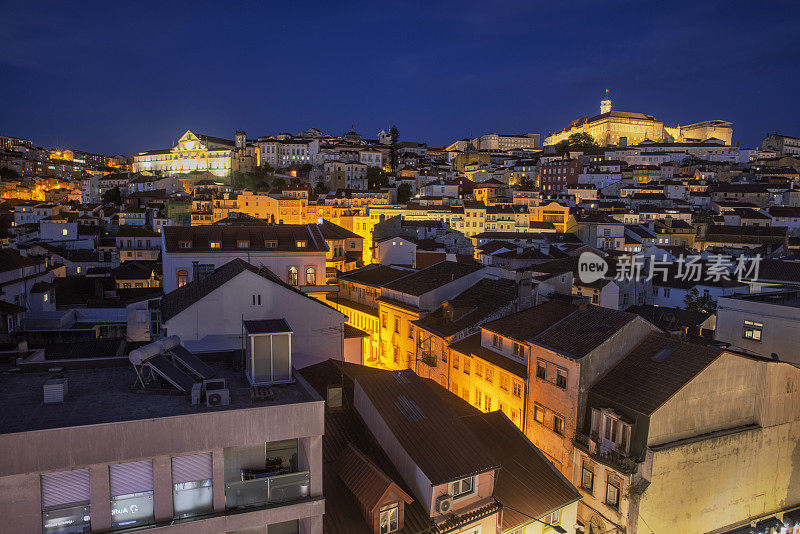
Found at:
<point>428,358</point>
<point>260,491</point>
<point>611,458</point>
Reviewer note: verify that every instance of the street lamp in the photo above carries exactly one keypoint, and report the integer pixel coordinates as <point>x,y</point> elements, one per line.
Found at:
<point>558,529</point>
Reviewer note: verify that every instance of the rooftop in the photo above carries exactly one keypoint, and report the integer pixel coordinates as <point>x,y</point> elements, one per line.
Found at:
<point>657,368</point>
<point>105,395</point>
<point>433,277</point>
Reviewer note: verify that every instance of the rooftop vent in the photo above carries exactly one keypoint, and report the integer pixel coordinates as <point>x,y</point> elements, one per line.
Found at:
<point>55,390</point>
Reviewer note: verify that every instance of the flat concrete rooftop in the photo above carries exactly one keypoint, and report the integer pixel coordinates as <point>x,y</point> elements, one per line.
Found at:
<point>105,395</point>
<point>790,298</point>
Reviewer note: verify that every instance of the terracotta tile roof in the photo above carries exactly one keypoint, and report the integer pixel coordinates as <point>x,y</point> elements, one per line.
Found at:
<point>657,368</point>
<point>375,275</point>
<point>433,277</point>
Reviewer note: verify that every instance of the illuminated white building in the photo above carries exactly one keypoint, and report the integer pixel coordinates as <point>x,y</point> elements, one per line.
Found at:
<point>192,153</point>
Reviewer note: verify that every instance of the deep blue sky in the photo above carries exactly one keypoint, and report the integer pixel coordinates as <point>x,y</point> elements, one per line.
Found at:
<point>122,77</point>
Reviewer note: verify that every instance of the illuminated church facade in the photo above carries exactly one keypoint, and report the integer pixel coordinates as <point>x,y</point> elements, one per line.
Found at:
<point>193,152</point>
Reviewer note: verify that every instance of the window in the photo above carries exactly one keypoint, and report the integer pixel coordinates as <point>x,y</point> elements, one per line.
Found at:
<point>383,321</point>
<point>216,244</point>
<point>666,292</point>
<point>478,368</point>
<point>293,276</point>
<point>389,518</point>
<point>561,378</point>
<point>311,276</point>
<point>541,369</point>
<point>487,403</point>
<point>455,361</point>
<point>466,366</point>
<point>270,243</point>
<point>462,487</point>
<point>192,485</point>
<point>300,244</point>
<point>752,330</point>
<point>497,341</point>
<point>538,413</point>
<point>131,488</point>
<point>478,397</point>
<point>397,324</point>
<point>558,425</point>
<point>183,277</point>
<point>184,244</point>
<point>517,389</point>
<point>64,231</point>
<point>612,494</point>
<point>488,375</point>
<point>552,519</point>
<point>504,381</point>
<point>587,476</point>
<point>243,244</point>
<point>519,350</point>
<point>65,502</point>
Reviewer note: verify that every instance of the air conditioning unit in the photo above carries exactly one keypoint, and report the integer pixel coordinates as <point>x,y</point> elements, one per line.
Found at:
<point>444,503</point>
<point>218,397</point>
<point>197,393</point>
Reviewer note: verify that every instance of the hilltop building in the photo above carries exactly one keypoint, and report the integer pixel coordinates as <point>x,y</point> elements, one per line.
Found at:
<point>612,128</point>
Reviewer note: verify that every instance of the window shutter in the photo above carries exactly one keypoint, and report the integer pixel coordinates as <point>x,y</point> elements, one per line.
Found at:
<point>66,487</point>
<point>192,468</point>
<point>133,477</point>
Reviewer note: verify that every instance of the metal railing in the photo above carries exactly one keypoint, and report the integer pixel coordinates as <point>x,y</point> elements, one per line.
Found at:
<point>267,490</point>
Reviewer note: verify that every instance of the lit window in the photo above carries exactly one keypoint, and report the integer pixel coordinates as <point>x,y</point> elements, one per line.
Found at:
<point>752,330</point>
<point>216,244</point>
<point>183,277</point>
<point>389,518</point>
<point>293,279</point>
<point>311,276</point>
<point>64,231</point>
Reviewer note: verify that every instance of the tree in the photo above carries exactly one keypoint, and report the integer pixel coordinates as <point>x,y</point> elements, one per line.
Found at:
<point>9,175</point>
<point>377,178</point>
<point>278,183</point>
<point>394,157</point>
<point>403,193</point>
<point>527,183</point>
<point>321,188</point>
<point>576,141</point>
<point>694,302</point>
<point>112,196</point>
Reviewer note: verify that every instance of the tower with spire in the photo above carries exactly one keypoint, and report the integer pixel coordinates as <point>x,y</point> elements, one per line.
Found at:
<point>605,105</point>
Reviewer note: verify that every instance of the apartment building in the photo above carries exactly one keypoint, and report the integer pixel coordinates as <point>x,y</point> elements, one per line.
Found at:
<point>764,323</point>
<point>357,298</point>
<point>91,454</point>
<point>137,243</point>
<point>409,298</point>
<point>556,175</point>
<point>404,455</point>
<point>532,364</point>
<point>670,433</point>
<point>295,253</point>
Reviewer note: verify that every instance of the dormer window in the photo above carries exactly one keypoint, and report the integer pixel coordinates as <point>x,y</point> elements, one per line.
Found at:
<point>497,341</point>
<point>390,518</point>
<point>613,432</point>
<point>243,244</point>
<point>184,244</point>
<point>271,243</point>
<point>462,487</point>
<point>300,243</point>
<point>216,244</point>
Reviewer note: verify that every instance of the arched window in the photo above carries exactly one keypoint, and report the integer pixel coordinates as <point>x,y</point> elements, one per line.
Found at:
<point>183,277</point>
<point>311,276</point>
<point>293,276</point>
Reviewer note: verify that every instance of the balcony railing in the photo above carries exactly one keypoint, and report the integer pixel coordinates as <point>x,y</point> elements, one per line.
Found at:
<point>428,358</point>
<point>591,446</point>
<point>267,490</point>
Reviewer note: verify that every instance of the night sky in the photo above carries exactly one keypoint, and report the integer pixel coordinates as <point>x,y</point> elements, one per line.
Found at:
<point>119,77</point>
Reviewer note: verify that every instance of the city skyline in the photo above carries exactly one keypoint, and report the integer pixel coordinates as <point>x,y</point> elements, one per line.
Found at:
<point>437,73</point>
